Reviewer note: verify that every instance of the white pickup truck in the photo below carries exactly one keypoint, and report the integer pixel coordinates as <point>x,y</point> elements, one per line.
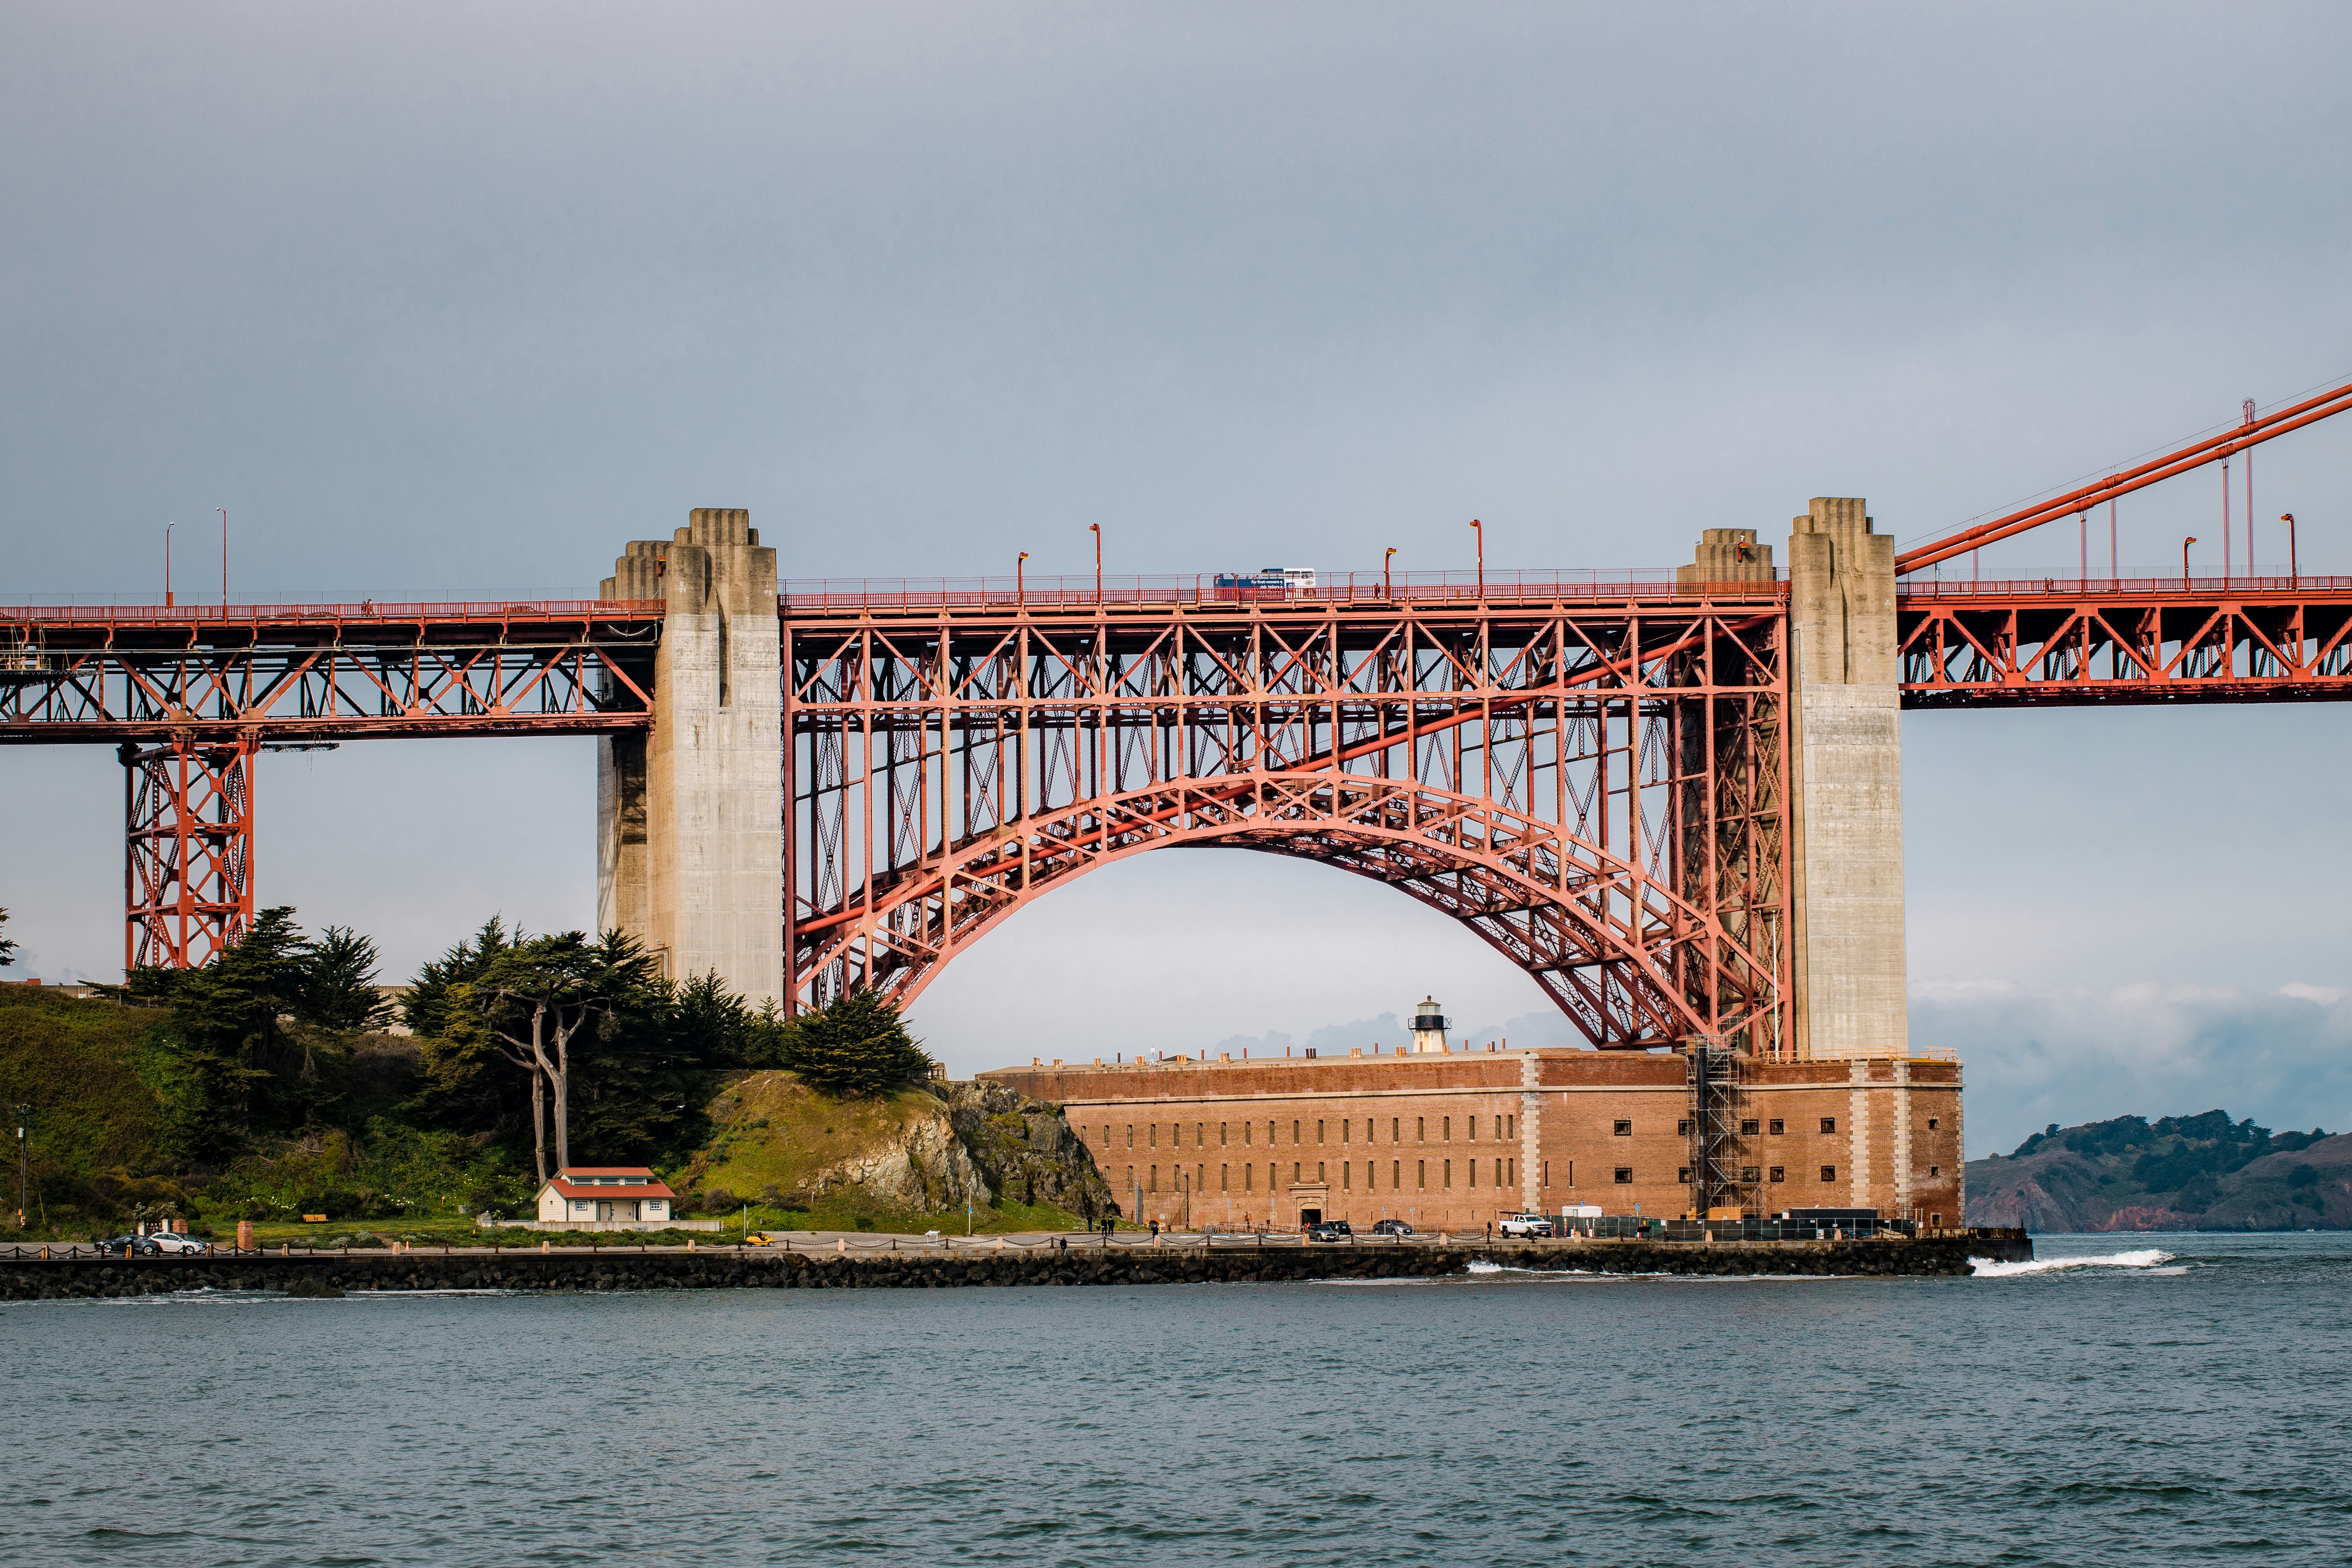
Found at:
<point>1525,1225</point>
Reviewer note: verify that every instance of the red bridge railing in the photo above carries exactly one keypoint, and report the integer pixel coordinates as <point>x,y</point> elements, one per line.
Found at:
<point>1064,593</point>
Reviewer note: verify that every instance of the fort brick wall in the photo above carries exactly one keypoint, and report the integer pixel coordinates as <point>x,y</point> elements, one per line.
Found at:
<point>1452,1141</point>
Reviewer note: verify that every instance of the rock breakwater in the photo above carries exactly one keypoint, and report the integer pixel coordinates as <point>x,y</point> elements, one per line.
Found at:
<point>65,1278</point>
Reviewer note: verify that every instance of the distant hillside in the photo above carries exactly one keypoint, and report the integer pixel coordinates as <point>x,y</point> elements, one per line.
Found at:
<point>2183,1173</point>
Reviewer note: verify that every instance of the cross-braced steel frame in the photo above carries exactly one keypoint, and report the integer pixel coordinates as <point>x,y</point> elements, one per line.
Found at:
<point>188,863</point>
<point>2050,642</point>
<point>192,694</point>
<point>1596,791</point>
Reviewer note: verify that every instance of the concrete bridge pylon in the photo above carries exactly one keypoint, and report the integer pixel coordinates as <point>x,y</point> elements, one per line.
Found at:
<point>1846,812</point>
<point>689,815</point>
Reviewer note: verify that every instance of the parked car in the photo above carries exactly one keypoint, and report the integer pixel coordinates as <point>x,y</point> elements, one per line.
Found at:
<point>1391,1228</point>
<point>171,1241</point>
<point>1330,1233</point>
<point>1337,1227</point>
<point>1525,1225</point>
<point>762,1238</point>
<point>128,1246</point>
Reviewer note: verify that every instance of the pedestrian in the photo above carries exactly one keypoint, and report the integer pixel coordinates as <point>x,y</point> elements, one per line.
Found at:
<point>1155,1230</point>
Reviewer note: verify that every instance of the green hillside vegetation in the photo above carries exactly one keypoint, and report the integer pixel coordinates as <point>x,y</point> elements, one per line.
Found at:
<point>2203,1172</point>
<point>265,1086</point>
<point>903,1159</point>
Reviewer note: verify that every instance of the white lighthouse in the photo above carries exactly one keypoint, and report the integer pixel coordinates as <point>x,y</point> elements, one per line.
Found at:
<point>1428,1028</point>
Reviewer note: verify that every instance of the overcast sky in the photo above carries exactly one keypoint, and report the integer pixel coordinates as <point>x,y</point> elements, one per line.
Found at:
<point>460,299</point>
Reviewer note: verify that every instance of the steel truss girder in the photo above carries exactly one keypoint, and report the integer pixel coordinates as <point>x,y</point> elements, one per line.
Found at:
<point>2205,643</point>
<point>1596,793</point>
<point>300,682</point>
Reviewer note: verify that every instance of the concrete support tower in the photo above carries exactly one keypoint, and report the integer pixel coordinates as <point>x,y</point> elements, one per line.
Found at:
<point>1847,858</point>
<point>690,818</point>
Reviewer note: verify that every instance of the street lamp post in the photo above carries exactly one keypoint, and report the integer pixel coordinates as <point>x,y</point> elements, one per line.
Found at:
<point>1095,529</point>
<point>224,511</point>
<point>1386,591</point>
<point>2294,567</point>
<point>1480,530</point>
<point>2184,559</point>
<point>24,1197</point>
<point>167,563</point>
<point>1021,580</point>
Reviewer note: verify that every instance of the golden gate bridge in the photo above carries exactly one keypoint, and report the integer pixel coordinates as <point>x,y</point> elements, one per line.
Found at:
<point>1663,795</point>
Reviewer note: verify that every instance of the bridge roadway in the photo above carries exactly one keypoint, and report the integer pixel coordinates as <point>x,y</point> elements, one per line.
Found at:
<point>143,674</point>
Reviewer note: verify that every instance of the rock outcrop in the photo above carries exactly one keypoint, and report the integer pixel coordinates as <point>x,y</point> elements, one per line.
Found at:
<point>916,1151</point>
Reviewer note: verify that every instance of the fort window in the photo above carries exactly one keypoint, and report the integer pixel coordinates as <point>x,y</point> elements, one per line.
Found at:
<point>1449,1175</point>
<point>1394,1123</point>
<point>1347,1124</point>
<point>1200,1135</point>
<point>1625,1130</point>
<point>1421,1128</point>
<point>1747,1129</point>
<point>1151,1136</point>
<point>1779,1172</point>
<point>1778,1127</point>
<point>1545,1171</point>
<point>1682,1128</point>
<point>1346,1176</point>
<point>1445,1130</point>
<point>1221,1134</point>
<point>1155,1179</point>
<point>1473,1172</point>
<point>1249,1178</point>
<point>1682,1173</point>
<point>1319,1172</point>
<point>1294,1172</point>
<point>1224,1178</point>
<point>1748,1174</point>
<point>1295,1139</point>
<point>1931,1124</point>
<point>1829,1123</point>
<point>1130,1134</point>
<point>1318,1133</point>
<point>1396,1174</point>
<point>1472,1133</point>
<point>1934,1170</point>
<point>1422,1174</point>
<point>1829,1173</point>
<point>1936,1221</point>
<point>1626,1175</point>
<point>1245,1134</point>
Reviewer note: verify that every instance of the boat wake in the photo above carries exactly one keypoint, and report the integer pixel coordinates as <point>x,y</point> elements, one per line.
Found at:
<point>2146,1258</point>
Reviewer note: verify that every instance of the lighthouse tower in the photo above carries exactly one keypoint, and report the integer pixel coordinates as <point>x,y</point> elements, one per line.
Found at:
<point>1429,1029</point>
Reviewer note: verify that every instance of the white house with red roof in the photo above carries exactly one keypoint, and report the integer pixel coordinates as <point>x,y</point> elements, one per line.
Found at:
<point>589,1194</point>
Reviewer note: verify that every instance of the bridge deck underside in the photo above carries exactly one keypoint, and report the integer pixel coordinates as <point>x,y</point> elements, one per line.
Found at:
<point>1596,792</point>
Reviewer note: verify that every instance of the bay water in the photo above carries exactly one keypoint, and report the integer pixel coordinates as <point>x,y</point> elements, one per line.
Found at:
<point>2122,1399</point>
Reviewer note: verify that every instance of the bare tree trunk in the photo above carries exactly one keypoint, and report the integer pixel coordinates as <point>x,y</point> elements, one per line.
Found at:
<point>538,1125</point>
<point>562,1076</point>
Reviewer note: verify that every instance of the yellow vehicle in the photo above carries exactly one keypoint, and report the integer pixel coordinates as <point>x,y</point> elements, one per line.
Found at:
<point>762,1239</point>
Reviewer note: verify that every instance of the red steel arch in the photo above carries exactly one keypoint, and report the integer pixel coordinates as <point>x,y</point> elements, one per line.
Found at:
<point>1594,788</point>
<point>1604,941</point>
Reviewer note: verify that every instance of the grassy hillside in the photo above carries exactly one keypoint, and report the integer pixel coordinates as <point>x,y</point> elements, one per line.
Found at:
<point>2182,1173</point>
<point>94,1127</point>
<point>907,1161</point>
